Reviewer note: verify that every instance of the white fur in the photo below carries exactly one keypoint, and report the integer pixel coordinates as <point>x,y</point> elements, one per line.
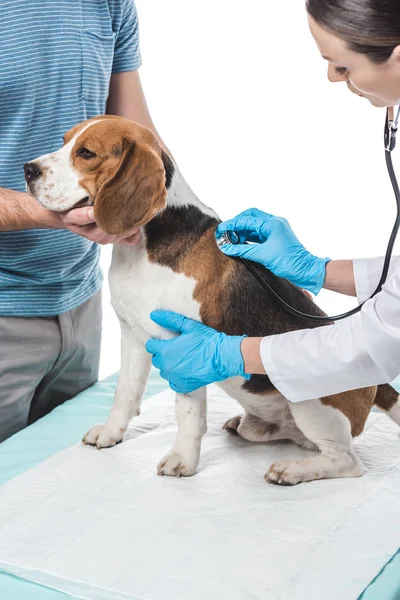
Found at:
<point>58,187</point>
<point>138,287</point>
<point>180,194</point>
<point>191,414</point>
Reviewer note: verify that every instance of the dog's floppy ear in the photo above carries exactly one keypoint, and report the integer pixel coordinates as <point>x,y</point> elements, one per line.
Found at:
<point>135,193</point>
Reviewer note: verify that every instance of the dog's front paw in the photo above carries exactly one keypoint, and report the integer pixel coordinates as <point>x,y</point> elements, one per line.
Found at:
<point>176,465</point>
<point>103,436</point>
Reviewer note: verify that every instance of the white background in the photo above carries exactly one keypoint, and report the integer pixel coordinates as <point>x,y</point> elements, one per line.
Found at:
<point>238,92</point>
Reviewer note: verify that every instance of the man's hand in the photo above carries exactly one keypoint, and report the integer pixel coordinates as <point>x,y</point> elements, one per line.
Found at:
<point>82,222</point>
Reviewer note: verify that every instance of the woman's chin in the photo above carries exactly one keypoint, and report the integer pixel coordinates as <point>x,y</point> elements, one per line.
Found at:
<point>379,103</point>
<point>374,101</point>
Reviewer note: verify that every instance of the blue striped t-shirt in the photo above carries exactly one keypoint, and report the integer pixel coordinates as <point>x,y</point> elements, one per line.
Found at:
<point>56,59</point>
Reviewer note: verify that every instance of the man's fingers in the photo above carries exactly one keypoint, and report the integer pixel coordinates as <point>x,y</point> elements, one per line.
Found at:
<point>84,230</point>
<point>93,233</point>
<point>81,221</point>
<point>79,216</point>
<point>105,239</point>
<point>127,235</point>
<point>99,236</point>
<point>132,240</point>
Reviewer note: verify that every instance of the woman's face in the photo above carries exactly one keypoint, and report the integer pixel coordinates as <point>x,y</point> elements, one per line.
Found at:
<point>378,83</point>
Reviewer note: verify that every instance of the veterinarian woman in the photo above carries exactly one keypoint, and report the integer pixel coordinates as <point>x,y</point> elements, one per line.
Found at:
<point>360,40</point>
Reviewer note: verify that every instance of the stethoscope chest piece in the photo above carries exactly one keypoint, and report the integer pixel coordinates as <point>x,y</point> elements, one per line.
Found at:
<point>227,237</point>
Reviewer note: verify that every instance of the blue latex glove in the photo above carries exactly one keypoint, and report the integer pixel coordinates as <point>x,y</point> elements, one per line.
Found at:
<point>199,356</point>
<point>276,248</point>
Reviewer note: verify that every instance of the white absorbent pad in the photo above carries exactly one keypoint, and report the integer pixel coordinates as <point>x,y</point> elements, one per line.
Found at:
<point>102,525</point>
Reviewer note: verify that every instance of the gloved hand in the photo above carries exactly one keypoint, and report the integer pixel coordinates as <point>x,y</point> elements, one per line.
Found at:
<point>277,248</point>
<point>199,356</point>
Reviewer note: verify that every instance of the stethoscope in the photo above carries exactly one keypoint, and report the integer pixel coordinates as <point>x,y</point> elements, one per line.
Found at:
<point>391,126</point>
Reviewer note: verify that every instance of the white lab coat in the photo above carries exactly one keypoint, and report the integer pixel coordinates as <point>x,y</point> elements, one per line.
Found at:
<point>361,351</point>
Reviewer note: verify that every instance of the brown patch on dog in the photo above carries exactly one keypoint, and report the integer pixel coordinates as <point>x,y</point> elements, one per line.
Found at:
<point>135,193</point>
<point>72,132</point>
<point>126,177</point>
<point>213,273</point>
<point>386,397</point>
<point>355,405</point>
<point>116,150</point>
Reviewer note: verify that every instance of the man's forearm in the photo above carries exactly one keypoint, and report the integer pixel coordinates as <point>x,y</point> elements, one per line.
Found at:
<point>126,99</point>
<point>20,211</point>
<point>340,277</point>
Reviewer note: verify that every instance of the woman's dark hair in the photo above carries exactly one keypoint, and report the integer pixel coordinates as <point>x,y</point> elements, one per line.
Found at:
<point>371,27</point>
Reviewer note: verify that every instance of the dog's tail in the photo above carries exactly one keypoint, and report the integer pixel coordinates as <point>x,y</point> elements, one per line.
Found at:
<point>388,400</point>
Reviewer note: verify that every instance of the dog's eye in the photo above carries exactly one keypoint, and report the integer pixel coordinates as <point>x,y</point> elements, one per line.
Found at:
<point>85,153</point>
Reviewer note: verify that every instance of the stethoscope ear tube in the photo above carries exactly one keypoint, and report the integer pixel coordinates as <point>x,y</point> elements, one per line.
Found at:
<point>390,144</point>
<point>391,125</point>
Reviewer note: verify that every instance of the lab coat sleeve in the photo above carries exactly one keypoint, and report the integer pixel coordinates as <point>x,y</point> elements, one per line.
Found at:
<point>367,274</point>
<point>361,351</point>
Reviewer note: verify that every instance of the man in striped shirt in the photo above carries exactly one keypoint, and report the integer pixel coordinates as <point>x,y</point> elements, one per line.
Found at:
<point>61,63</point>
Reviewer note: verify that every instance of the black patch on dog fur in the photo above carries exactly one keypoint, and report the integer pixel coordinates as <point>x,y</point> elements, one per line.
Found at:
<point>174,232</point>
<point>169,169</point>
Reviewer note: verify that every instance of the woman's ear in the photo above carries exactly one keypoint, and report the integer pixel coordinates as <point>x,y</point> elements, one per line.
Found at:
<point>135,193</point>
<point>396,55</point>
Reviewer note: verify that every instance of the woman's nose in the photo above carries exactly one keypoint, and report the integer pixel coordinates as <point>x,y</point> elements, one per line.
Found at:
<point>334,76</point>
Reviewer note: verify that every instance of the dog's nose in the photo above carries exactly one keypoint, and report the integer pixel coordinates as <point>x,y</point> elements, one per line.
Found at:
<point>32,172</point>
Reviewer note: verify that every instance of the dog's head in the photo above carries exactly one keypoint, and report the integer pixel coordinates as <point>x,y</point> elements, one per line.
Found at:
<point>111,163</point>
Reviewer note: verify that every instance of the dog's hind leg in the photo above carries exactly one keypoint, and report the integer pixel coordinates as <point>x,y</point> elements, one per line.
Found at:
<point>256,429</point>
<point>330,430</point>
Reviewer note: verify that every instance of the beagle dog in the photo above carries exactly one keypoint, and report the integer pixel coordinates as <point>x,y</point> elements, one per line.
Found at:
<point>119,167</point>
